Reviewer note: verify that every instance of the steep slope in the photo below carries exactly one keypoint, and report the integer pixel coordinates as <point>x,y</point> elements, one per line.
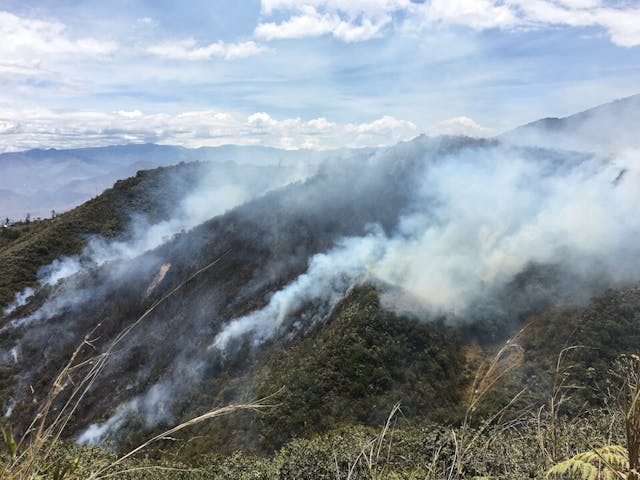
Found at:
<point>451,244</point>
<point>262,245</point>
<point>154,195</point>
<point>606,129</point>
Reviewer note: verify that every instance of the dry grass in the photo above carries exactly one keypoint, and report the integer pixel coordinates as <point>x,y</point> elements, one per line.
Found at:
<point>371,454</point>
<point>611,462</point>
<point>548,414</point>
<point>32,454</point>
<point>255,406</point>
<point>487,377</point>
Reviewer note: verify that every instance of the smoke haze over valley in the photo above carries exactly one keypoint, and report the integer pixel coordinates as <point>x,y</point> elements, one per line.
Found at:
<point>38,181</point>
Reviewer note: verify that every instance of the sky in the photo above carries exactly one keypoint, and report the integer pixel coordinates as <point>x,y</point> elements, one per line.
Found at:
<point>313,74</point>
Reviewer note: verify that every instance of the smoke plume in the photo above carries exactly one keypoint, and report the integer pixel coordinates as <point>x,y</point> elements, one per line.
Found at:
<point>448,221</point>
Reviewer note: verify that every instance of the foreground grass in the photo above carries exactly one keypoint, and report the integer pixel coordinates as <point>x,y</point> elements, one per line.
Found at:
<point>512,451</point>
<point>516,442</point>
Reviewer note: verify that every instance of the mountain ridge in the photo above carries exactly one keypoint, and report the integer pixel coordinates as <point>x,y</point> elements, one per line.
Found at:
<point>589,129</point>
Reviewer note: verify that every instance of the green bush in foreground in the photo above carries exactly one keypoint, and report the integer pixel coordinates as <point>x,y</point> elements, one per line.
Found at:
<point>509,451</point>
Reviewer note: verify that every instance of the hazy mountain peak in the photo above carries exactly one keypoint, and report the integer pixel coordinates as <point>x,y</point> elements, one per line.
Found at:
<point>607,128</point>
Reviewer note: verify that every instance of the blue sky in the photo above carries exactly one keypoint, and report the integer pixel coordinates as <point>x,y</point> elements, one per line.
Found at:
<point>304,73</point>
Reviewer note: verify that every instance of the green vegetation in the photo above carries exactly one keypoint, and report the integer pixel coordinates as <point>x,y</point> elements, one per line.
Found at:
<point>25,247</point>
<point>354,369</point>
<point>343,378</point>
<point>420,452</point>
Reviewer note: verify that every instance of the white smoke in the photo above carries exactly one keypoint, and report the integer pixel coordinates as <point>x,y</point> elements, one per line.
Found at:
<point>19,300</point>
<point>212,197</point>
<point>143,236</point>
<point>327,279</point>
<point>479,219</point>
<point>12,356</point>
<point>153,406</point>
<point>95,433</point>
<point>8,411</point>
<point>497,212</point>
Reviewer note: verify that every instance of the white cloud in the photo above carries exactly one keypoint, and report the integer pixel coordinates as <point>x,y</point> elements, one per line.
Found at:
<point>352,8</point>
<point>320,133</point>
<point>37,48</point>
<point>622,24</point>
<point>311,23</point>
<point>307,25</point>
<point>189,49</point>
<point>359,20</point>
<point>384,127</point>
<point>38,40</point>
<point>40,50</point>
<point>580,3</point>
<point>352,21</point>
<point>147,21</point>
<point>463,126</point>
<point>24,129</point>
<point>477,14</point>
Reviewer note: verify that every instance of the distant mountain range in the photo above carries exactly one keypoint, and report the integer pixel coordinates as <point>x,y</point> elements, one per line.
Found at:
<point>38,181</point>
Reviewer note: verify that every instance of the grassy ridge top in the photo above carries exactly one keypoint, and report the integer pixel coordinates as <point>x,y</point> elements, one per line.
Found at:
<point>26,247</point>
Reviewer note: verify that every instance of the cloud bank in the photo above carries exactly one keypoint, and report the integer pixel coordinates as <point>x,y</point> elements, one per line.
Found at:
<point>365,19</point>
<point>463,126</point>
<point>32,128</point>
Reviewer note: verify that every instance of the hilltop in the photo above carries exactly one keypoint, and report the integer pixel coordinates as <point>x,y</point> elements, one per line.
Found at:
<point>605,129</point>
